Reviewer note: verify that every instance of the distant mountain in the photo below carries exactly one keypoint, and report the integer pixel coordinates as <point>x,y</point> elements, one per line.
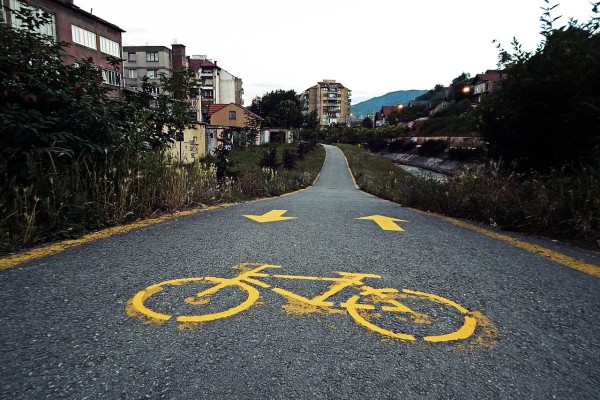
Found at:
<point>364,108</point>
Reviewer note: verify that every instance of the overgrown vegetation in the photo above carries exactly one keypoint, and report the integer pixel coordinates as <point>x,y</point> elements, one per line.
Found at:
<point>542,173</point>
<point>547,115</point>
<point>563,206</point>
<point>88,196</point>
<point>73,159</point>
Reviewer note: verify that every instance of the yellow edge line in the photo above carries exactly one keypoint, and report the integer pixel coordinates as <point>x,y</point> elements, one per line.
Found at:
<point>26,256</point>
<point>555,256</point>
<point>20,258</point>
<point>350,170</point>
<point>571,262</point>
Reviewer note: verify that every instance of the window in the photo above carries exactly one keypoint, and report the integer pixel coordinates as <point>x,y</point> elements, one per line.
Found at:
<point>84,37</point>
<point>109,47</point>
<point>46,29</point>
<point>152,73</point>
<point>111,77</point>
<point>133,73</point>
<point>131,57</point>
<point>232,115</point>
<point>152,56</point>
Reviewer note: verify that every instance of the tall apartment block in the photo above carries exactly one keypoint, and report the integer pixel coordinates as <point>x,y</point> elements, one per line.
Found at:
<point>330,99</point>
<point>150,61</point>
<point>88,35</point>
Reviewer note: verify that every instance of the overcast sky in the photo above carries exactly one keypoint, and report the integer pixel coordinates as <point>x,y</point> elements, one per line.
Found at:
<point>371,47</point>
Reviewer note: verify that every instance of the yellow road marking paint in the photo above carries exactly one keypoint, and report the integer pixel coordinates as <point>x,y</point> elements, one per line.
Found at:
<point>353,308</point>
<point>30,255</point>
<point>271,216</point>
<point>350,170</point>
<point>464,332</point>
<point>438,299</point>
<point>560,258</point>
<point>34,254</point>
<point>364,312</point>
<point>385,223</point>
<point>316,301</point>
<point>253,296</point>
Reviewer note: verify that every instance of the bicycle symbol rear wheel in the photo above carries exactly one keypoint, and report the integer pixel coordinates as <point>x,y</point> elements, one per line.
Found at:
<point>138,302</point>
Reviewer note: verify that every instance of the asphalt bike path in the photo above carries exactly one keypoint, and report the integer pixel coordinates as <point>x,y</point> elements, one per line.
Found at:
<point>351,297</point>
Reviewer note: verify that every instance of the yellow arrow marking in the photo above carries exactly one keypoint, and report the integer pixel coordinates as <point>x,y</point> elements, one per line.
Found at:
<point>271,216</point>
<point>385,223</point>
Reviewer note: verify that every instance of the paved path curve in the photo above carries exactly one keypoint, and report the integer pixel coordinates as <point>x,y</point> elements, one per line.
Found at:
<point>310,312</point>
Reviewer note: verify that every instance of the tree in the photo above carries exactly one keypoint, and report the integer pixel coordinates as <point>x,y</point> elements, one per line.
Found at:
<point>311,121</point>
<point>412,113</point>
<point>367,122</point>
<point>287,113</point>
<point>173,103</point>
<point>437,93</point>
<point>50,113</point>
<point>269,159</point>
<point>547,114</point>
<point>457,86</point>
<point>280,108</point>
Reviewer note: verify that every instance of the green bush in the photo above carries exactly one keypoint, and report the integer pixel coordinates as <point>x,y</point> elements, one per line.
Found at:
<point>270,159</point>
<point>401,145</point>
<point>561,205</point>
<point>289,158</point>
<point>433,148</point>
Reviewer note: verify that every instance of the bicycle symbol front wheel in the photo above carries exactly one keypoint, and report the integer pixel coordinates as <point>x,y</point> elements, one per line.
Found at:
<point>463,328</point>
<point>139,307</point>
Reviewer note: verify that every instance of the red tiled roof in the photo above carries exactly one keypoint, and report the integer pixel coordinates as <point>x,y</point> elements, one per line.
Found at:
<point>213,108</point>
<point>387,110</point>
<point>493,76</point>
<point>207,63</point>
<point>198,64</point>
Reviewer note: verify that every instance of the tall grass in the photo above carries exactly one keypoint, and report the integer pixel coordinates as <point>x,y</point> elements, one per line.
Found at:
<point>85,196</point>
<point>560,205</point>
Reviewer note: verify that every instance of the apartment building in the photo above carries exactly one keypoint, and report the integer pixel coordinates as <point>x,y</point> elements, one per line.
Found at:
<point>217,86</point>
<point>150,61</point>
<point>88,35</point>
<point>330,99</point>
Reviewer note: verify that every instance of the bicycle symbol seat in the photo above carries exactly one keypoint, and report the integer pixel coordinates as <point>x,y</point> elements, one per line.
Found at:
<point>367,306</point>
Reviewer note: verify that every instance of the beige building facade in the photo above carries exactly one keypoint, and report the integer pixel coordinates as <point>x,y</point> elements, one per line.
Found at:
<point>193,145</point>
<point>237,122</point>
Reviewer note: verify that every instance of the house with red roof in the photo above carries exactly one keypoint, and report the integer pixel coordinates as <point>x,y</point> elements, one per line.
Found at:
<point>239,124</point>
<point>382,116</point>
<point>485,84</point>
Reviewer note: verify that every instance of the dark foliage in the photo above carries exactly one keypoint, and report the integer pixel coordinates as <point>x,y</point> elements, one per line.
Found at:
<point>433,148</point>
<point>547,114</point>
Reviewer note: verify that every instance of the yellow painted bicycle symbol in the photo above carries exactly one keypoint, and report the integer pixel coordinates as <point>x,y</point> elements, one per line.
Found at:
<point>408,308</point>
